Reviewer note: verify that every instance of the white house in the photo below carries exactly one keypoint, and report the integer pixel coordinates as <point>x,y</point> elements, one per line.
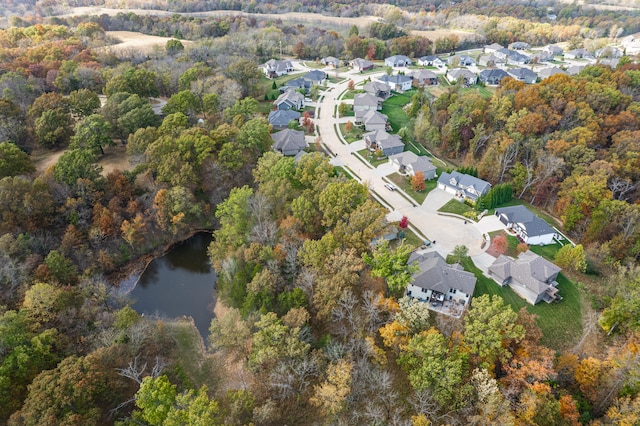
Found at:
<point>431,61</point>
<point>399,83</point>
<point>398,61</point>
<point>529,227</point>
<point>274,68</point>
<point>446,288</point>
<point>463,75</point>
<point>462,185</point>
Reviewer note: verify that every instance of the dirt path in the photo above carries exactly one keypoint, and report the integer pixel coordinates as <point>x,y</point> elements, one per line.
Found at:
<point>42,160</point>
<point>114,158</point>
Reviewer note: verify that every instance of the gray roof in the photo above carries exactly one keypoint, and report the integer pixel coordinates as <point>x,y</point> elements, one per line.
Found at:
<point>435,274</point>
<point>297,83</point>
<point>465,181</point>
<point>429,58</point>
<point>362,63</point>
<point>494,46</point>
<point>315,75</point>
<point>374,87</point>
<point>533,224</point>
<point>374,117</point>
<point>291,96</point>
<point>276,65</point>
<point>282,117</point>
<point>523,73</point>
<point>399,58</point>
<point>365,99</point>
<point>493,75</point>
<point>394,79</point>
<point>422,74</point>
<point>520,45</point>
<point>554,49</point>
<point>331,60</point>
<point>417,162</point>
<point>528,269</point>
<point>287,140</point>
<point>575,69</point>
<point>548,72</point>
<point>457,73</point>
<point>383,139</point>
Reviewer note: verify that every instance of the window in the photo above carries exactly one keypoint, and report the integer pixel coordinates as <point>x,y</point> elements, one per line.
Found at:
<point>454,291</point>
<point>424,290</point>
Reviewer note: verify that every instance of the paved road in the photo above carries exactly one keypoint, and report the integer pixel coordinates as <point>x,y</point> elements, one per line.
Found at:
<point>447,232</point>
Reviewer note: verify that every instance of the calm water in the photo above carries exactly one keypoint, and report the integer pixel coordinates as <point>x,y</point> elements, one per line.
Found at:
<point>179,283</point>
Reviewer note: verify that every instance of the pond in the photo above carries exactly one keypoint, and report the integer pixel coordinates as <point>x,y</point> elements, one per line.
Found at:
<point>179,283</point>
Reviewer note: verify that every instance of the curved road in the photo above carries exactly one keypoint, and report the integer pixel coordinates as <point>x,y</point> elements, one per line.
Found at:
<point>448,232</point>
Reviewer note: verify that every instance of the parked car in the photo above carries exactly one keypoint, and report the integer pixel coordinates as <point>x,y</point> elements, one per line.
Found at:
<point>390,186</point>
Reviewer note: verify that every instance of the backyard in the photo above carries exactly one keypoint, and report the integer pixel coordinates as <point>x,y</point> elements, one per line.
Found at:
<point>392,108</point>
<point>560,322</point>
<point>485,92</point>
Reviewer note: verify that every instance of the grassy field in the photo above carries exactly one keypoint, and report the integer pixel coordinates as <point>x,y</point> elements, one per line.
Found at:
<point>392,108</point>
<point>404,183</point>
<point>485,92</point>
<point>352,136</point>
<point>560,322</point>
<point>455,206</point>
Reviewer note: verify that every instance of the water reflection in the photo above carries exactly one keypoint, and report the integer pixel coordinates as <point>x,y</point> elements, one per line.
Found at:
<point>179,283</point>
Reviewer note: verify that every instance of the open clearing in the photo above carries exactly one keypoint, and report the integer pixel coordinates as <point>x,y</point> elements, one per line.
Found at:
<point>139,42</point>
<point>436,34</point>
<point>114,158</point>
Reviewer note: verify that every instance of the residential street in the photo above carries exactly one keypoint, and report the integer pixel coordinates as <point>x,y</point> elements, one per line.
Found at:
<point>446,232</point>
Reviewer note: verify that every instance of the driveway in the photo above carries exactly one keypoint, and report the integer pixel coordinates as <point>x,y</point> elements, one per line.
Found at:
<point>436,199</point>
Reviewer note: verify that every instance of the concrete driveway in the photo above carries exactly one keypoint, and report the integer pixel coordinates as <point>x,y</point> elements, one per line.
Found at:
<point>436,199</point>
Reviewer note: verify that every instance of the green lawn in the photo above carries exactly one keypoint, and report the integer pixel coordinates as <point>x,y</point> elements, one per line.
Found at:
<point>560,322</point>
<point>548,252</point>
<point>485,92</point>
<point>354,135</point>
<point>392,108</point>
<point>351,94</point>
<point>366,154</point>
<point>266,84</point>
<point>455,206</point>
<point>265,107</point>
<point>404,183</point>
<point>411,238</point>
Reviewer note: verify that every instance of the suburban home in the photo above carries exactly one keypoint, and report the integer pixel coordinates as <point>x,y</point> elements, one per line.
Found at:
<point>381,140</point>
<point>399,83</point>
<point>464,61</point>
<point>512,57</point>
<point>378,89</point>
<point>578,54</point>
<point>519,45</point>
<point>372,120</point>
<point>331,61</point>
<point>289,142</point>
<point>529,227</point>
<point>290,100</point>
<point>423,78</point>
<point>631,44</point>
<point>281,118</point>
<point>295,84</point>
<point>548,72</point>
<point>523,74</point>
<point>541,57</point>
<point>490,60</point>
<point>531,276</point>
<point>408,164</point>
<point>446,288</point>
<point>611,62</point>
<point>608,52</point>
<point>315,77</point>
<point>462,185</point>
<point>460,74</point>
<point>398,61</point>
<point>553,49</point>
<point>431,61</point>
<point>274,68</point>
<point>362,64</point>
<point>575,69</point>
<point>492,48</point>
<point>492,77</point>
<point>365,102</point>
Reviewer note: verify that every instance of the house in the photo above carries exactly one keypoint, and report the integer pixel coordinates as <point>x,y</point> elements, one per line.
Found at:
<point>446,288</point>
<point>431,61</point>
<point>366,101</point>
<point>519,45</point>
<point>378,89</point>
<point>381,140</point>
<point>492,77</point>
<point>578,54</point>
<point>372,120</point>
<point>315,77</point>
<point>523,74</point>
<point>609,52</point>
<point>575,69</point>
<point>548,72</point>
<point>631,44</point>
<point>492,48</point>
<point>289,142</point>
<point>611,62</point>
<point>295,84</point>
<point>553,49</point>
<point>331,61</point>
<point>463,61</point>
<point>290,100</point>
<point>281,118</point>
<point>408,164</point>
<point>541,57</point>
<point>531,276</point>
<point>398,61</point>
<point>529,227</point>
<point>274,68</point>
<point>490,60</point>
<point>512,57</point>
<point>460,74</point>
<point>362,64</point>
<point>423,78</point>
<point>462,185</point>
<point>399,83</point>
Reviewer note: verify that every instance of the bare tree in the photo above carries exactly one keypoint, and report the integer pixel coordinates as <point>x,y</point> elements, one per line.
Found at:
<point>620,188</point>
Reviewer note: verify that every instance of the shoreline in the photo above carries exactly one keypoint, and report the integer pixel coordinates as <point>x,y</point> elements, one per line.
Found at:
<point>126,279</point>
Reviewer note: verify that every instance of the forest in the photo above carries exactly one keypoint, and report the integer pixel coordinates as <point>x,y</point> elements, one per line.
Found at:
<point>314,326</point>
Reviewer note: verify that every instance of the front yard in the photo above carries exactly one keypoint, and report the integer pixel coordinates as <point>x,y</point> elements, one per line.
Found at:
<point>354,135</point>
<point>371,158</point>
<point>404,183</point>
<point>456,207</point>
